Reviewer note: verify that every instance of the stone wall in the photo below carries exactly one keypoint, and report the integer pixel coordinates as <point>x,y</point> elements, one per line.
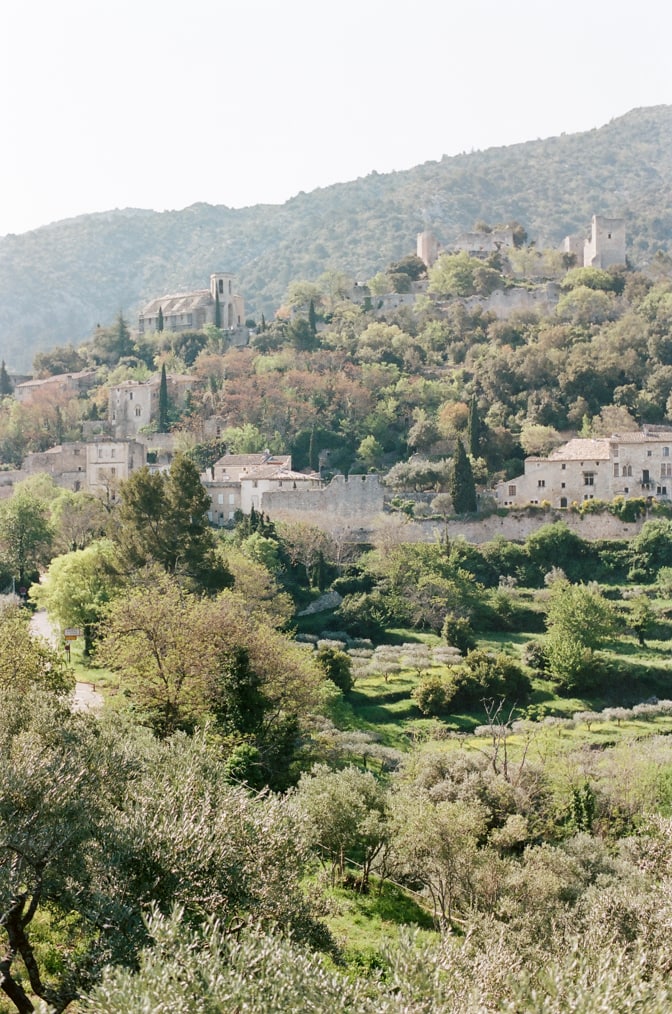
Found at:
<point>504,302</point>
<point>356,498</point>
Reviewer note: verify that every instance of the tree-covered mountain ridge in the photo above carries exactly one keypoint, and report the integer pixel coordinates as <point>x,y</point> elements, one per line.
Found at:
<point>59,281</point>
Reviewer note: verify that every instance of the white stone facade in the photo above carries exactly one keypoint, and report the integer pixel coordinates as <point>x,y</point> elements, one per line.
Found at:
<point>637,464</point>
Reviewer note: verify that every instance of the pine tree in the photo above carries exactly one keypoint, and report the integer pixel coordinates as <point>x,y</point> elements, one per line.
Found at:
<point>463,489</point>
<point>312,318</point>
<point>163,401</point>
<point>474,429</point>
<point>159,320</point>
<point>5,382</point>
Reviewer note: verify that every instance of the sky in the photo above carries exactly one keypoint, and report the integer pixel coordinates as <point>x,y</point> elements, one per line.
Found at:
<point>148,104</point>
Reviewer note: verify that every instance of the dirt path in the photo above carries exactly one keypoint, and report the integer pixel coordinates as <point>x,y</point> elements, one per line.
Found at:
<point>85,697</point>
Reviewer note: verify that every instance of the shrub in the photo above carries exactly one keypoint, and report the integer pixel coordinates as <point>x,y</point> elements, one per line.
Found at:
<point>485,674</point>
<point>434,694</point>
<point>457,632</point>
<point>534,655</point>
<point>337,667</point>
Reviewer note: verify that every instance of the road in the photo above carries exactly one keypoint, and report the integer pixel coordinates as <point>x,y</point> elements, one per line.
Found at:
<point>85,697</point>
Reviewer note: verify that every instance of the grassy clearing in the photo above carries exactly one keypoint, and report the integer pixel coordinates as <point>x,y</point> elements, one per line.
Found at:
<point>362,924</point>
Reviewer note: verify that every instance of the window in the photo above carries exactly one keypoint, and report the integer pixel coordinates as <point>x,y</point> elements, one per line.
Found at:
<point>627,470</point>
<point>254,484</point>
<point>220,498</point>
<point>231,499</point>
<point>221,286</point>
<point>563,501</point>
<point>588,496</point>
<point>563,467</point>
<point>562,485</point>
<point>113,452</point>
<point>130,396</point>
<point>77,450</point>
<point>100,452</point>
<point>649,453</point>
<point>541,483</point>
<point>615,471</point>
<point>113,471</point>
<point>588,479</point>
<point>512,490</point>
<point>616,451</point>
<point>138,410</point>
<point>666,452</point>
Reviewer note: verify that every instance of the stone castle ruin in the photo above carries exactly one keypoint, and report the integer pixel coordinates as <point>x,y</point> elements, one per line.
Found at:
<point>604,248</point>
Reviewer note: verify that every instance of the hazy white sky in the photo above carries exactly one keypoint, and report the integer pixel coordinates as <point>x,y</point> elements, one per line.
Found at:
<point>141,103</point>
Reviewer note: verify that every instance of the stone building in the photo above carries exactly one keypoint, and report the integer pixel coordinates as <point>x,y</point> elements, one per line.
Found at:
<point>221,304</point>
<point>636,464</point>
<point>243,481</point>
<point>62,383</point>
<point>132,405</point>
<point>94,467</point>
<point>604,248</point>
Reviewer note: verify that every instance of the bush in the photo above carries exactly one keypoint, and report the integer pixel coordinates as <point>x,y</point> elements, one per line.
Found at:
<point>485,674</point>
<point>534,655</point>
<point>457,632</point>
<point>434,695</point>
<point>337,667</point>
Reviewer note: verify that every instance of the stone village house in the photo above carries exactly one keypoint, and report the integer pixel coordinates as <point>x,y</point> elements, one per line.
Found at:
<point>635,464</point>
<point>96,467</point>
<point>240,482</point>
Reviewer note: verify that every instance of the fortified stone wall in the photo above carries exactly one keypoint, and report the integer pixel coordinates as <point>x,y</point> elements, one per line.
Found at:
<point>354,497</point>
<point>517,527</point>
<point>504,302</point>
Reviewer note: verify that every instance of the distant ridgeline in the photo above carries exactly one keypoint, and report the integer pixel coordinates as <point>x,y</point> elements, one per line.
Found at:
<point>92,266</point>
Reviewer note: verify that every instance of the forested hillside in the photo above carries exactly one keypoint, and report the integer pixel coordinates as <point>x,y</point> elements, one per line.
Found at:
<point>58,282</point>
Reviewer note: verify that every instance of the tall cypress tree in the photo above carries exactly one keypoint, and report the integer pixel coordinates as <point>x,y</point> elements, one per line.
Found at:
<point>159,320</point>
<point>474,429</point>
<point>218,311</point>
<point>312,318</point>
<point>462,487</point>
<point>163,401</point>
<point>5,382</point>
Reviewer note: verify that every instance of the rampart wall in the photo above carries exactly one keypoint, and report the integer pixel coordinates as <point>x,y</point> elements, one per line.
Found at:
<point>355,498</point>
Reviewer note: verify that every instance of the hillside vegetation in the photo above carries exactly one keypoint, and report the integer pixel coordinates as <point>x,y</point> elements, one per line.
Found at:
<point>58,282</point>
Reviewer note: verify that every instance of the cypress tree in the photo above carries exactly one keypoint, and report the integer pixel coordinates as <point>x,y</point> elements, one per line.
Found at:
<point>159,320</point>
<point>473,429</point>
<point>312,318</point>
<point>163,401</point>
<point>462,489</point>
<point>218,311</point>
<point>5,382</point>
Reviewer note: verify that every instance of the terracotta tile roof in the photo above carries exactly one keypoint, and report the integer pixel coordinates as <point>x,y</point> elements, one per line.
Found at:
<point>643,437</point>
<point>269,471</point>
<point>181,302</point>
<point>252,460</point>
<point>581,449</point>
